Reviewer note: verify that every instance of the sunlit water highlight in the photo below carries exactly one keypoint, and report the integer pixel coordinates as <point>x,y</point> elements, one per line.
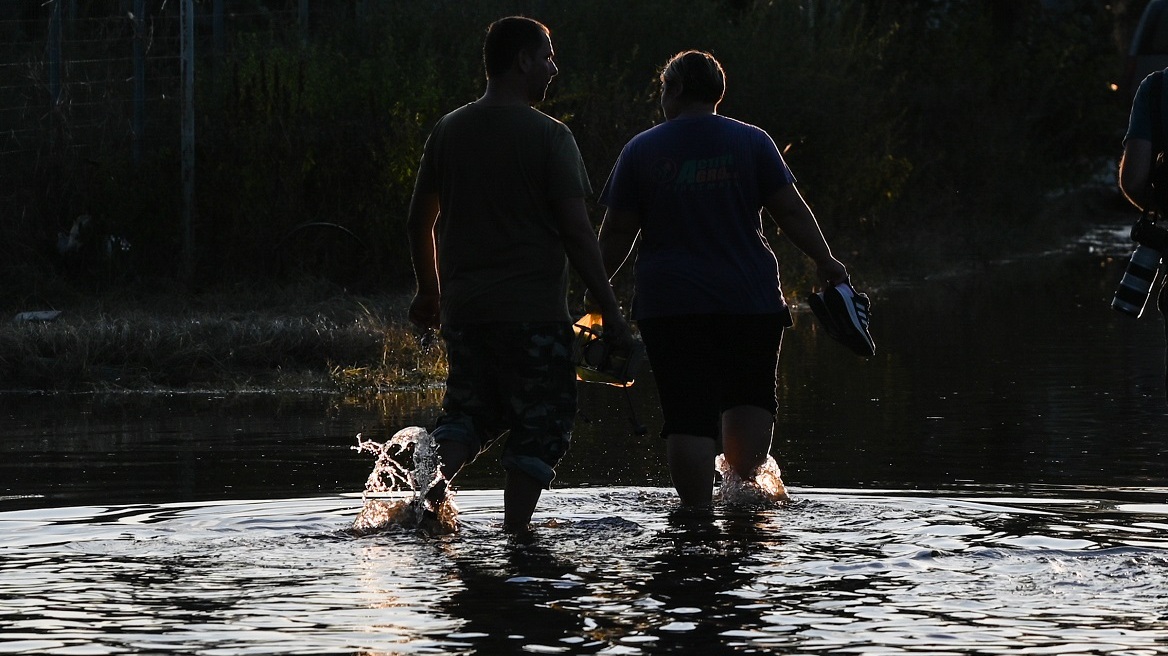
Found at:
<point>765,488</point>
<point>608,570</point>
<point>407,463</point>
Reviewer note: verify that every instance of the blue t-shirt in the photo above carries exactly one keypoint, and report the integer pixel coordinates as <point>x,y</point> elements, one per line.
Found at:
<point>698,185</point>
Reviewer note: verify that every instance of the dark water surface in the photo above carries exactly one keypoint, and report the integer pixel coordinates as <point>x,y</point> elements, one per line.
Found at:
<point>993,481</point>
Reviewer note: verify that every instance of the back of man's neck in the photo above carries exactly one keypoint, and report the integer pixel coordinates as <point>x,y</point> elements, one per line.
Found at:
<point>499,94</point>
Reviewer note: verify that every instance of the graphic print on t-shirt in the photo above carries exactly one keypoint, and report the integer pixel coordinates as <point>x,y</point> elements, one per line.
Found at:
<point>695,174</point>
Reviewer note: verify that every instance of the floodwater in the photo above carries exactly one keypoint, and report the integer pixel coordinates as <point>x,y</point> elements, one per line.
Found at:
<point>992,482</point>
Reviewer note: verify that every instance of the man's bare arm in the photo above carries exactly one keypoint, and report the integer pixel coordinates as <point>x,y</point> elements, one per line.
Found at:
<point>424,211</point>
<point>584,255</point>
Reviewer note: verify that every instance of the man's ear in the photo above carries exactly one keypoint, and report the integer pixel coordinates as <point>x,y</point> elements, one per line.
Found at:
<point>523,60</point>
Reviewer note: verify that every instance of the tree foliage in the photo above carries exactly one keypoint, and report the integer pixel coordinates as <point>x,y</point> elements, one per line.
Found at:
<point>924,129</point>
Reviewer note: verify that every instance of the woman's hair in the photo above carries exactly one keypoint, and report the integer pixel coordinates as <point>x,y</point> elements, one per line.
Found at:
<point>506,38</point>
<point>700,75</point>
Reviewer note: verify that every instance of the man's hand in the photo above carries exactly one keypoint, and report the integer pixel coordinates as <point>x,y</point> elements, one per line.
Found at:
<point>614,326</point>
<point>424,311</point>
<point>616,330</point>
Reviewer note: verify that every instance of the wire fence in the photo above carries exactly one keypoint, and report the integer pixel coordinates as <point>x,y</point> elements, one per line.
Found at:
<point>87,87</point>
<point>102,79</point>
<point>69,83</point>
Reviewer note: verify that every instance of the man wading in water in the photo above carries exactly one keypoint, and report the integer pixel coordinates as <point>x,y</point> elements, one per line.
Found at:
<point>497,216</point>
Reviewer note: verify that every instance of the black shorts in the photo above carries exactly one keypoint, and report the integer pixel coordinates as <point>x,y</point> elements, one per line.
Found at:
<point>707,364</point>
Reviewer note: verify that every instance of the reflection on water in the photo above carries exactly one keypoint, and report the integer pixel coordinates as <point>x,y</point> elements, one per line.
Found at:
<point>992,481</point>
<point>1017,373</point>
<point>610,570</point>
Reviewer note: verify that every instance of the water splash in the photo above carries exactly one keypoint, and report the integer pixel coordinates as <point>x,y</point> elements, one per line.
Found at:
<point>765,488</point>
<point>391,474</point>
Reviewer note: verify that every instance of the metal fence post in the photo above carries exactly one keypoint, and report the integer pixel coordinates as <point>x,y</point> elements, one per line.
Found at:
<point>55,60</point>
<point>187,47</point>
<point>139,124</point>
<point>218,29</point>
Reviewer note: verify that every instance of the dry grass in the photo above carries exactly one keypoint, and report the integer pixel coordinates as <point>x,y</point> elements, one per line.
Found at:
<point>305,338</point>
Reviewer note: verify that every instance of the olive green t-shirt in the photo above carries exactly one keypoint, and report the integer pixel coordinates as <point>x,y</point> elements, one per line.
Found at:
<point>496,171</point>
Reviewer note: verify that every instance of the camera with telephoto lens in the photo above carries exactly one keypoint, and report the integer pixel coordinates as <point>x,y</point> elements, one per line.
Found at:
<point>1131,297</point>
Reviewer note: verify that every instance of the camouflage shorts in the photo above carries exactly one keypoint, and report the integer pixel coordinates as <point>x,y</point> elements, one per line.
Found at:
<point>515,377</point>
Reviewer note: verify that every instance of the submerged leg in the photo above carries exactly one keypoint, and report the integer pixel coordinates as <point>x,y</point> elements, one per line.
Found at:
<point>520,496</point>
<point>691,466</point>
<point>749,475</point>
<point>452,456</point>
<point>746,438</point>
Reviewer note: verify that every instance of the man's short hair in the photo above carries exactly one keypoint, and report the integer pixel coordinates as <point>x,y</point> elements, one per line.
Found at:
<point>506,38</point>
<point>700,75</point>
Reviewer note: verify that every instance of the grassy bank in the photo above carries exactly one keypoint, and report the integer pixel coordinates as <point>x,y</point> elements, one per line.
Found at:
<point>300,337</point>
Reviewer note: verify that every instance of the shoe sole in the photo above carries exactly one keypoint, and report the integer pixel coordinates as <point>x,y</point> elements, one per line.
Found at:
<point>854,334</point>
<point>821,312</point>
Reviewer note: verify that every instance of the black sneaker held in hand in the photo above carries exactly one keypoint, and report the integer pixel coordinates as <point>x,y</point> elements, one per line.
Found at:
<point>844,314</point>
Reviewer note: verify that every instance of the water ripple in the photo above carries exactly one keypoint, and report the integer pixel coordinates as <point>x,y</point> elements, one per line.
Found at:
<point>608,570</point>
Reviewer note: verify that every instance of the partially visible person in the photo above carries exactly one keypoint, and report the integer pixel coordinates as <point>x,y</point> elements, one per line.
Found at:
<point>1143,141</point>
<point>496,218</point>
<point>707,298</point>
<point>1144,182</point>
